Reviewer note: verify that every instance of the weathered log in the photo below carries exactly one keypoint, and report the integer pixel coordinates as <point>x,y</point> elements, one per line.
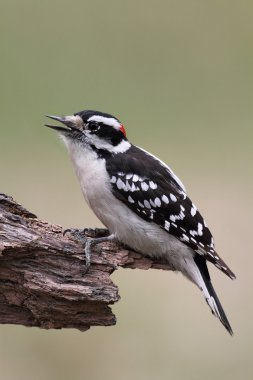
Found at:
<point>41,273</point>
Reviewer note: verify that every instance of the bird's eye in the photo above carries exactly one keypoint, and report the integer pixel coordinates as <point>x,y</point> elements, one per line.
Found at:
<point>93,127</point>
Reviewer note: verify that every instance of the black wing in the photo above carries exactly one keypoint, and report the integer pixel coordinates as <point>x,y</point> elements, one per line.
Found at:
<point>150,189</point>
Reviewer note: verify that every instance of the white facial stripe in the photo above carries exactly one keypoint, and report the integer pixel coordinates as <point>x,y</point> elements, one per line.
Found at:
<point>122,147</point>
<point>106,120</point>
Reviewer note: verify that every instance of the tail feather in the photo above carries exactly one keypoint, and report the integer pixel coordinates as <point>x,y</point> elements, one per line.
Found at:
<point>209,293</point>
<point>215,306</point>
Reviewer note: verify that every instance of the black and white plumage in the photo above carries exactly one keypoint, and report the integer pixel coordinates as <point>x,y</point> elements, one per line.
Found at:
<point>140,200</point>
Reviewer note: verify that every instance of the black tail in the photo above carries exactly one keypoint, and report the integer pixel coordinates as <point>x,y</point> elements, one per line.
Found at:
<point>210,294</point>
<point>219,312</point>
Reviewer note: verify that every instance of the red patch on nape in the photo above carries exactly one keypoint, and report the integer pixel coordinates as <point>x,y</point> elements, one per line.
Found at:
<point>122,129</point>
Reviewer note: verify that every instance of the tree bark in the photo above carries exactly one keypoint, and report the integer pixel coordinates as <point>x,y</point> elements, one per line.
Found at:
<point>41,273</point>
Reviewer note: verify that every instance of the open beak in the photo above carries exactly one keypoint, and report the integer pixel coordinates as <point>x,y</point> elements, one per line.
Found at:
<point>68,122</point>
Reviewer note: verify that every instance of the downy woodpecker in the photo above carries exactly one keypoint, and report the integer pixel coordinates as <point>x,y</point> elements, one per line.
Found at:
<point>140,200</point>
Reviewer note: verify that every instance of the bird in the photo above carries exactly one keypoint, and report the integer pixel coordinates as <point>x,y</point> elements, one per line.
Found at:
<point>140,200</point>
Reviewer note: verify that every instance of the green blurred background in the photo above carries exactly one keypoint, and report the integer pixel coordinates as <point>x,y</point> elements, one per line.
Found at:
<point>179,76</point>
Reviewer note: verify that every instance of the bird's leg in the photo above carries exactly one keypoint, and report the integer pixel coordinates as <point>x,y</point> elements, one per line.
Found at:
<point>90,243</point>
<point>88,237</point>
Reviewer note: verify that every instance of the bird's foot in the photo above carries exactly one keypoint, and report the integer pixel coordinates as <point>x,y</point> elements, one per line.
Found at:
<point>89,237</point>
<point>82,234</point>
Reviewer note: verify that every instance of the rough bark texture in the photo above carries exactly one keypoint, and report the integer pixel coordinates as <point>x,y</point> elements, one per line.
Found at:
<point>41,277</point>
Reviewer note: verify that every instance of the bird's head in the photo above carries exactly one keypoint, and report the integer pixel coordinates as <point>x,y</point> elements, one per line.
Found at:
<point>98,130</point>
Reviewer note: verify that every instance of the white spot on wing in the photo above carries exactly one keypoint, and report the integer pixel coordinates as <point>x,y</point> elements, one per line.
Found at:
<point>165,199</point>
<point>200,229</point>
<point>179,216</point>
<point>158,202</point>
<point>173,218</point>
<point>193,210</point>
<point>184,238</point>
<point>182,214</point>
<point>134,188</point>
<point>120,184</point>
<point>113,179</point>
<point>146,204</point>
<point>152,185</point>
<point>135,178</point>
<point>130,199</point>
<point>173,198</point>
<point>167,225</point>
<point>144,186</point>
<point>127,187</point>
